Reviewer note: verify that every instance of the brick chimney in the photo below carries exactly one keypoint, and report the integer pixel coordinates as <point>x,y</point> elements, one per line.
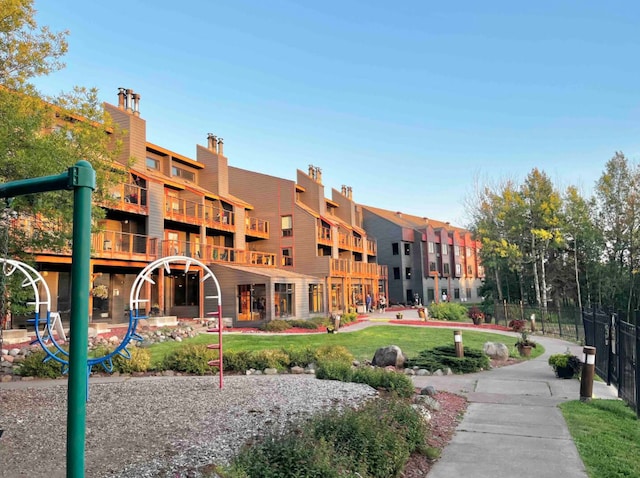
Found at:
<point>212,142</point>
<point>220,146</point>
<point>121,99</point>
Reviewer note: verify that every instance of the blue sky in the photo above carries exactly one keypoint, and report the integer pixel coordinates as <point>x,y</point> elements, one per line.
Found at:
<point>406,102</point>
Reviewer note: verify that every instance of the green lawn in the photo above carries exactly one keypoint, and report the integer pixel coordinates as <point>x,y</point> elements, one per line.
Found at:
<point>362,344</point>
<point>607,435</point>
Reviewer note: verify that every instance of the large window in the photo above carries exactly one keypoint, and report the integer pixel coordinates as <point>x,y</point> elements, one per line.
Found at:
<point>287,225</point>
<point>456,293</point>
<point>456,251</point>
<point>445,269</point>
<point>395,249</point>
<point>431,248</point>
<point>469,270</point>
<point>432,267</point>
<point>458,270</point>
<point>407,249</point>
<point>445,249</point>
<point>153,163</point>
<point>316,298</point>
<point>284,300</point>
<point>407,272</point>
<point>396,273</point>
<point>430,295</point>
<point>186,289</point>
<point>287,256</point>
<point>183,173</point>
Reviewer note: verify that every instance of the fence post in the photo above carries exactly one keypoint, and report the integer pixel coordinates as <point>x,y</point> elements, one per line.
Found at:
<point>559,323</point>
<point>593,329</point>
<point>577,317</point>
<point>504,307</point>
<point>612,322</point>
<point>637,366</point>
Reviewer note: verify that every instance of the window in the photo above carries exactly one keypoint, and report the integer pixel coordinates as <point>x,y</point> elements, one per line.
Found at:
<point>469,270</point>
<point>395,249</point>
<point>186,289</point>
<point>407,272</point>
<point>153,163</point>
<point>480,271</point>
<point>183,173</point>
<point>469,252</point>
<point>445,269</point>
<point>445,249</point>
<point>444,293</point>
<point>431,295</point>
<point>468,292</point>
<point>456,293</point>
<point>396,273</point>
<point>283,300</point>
<point>407,249</point>
<point>456,250</point>
<point>479,292</point>
<point>432,266</point>
<point>432,248</point>
<point>458,270</point>
<point>287,226</point>
<point>316,298</point>
<point>287,256</point>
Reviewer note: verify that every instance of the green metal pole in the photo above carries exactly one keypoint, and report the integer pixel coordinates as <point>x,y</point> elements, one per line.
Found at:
<point>82,178</point>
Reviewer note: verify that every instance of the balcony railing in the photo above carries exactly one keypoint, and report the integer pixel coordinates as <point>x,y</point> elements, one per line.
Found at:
<point>209,253</point>
<point>372,247</point>
<point>353,243</point>
<point>324,236</point>
<point>183,210</point>
<point>129,197</point>
<point>219,218</point>
<point>124,246</point>
<point>344,268</point>
<point>257,227</point>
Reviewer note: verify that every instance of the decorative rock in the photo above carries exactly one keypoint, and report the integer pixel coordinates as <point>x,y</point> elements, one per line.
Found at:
<point>4,352</point>
<point>356,363</point>
<point>270,371</point>
<point>429,390</point>
<point>8,358</point>
<point>178,339</point>
<point>14,352</point>
<point>114,339</point>
<point>168,373</point>
<point>496,350</point>
<point>409,371</point>
<point>6,378</point>
<point>422,372</point>
<point>423,412</point>
<point>428,402</point>
<point>391,355</point>
<point>257,372</point>
<point>448,371</point>
<point>27,379</point>
<point>297,370</point>
<point>438,373</point>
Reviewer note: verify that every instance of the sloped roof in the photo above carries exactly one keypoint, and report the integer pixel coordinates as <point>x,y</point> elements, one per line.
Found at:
<point>408,220</point>
<point>271,272</point>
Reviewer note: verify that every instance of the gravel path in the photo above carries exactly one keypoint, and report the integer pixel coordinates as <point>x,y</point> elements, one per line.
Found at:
<point>156,426</point>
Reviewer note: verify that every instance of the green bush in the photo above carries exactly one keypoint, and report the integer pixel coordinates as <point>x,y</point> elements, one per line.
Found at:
<point>348,317</point>
<point>334,370</point>
<point>380,378</point>
<point>300,356</point>
<point>334,352</point>
<point>445,356</point>
<point>276,325</point>
<point>32,366</point>
<point>237,360</point>
<point>375,440</point>
<point>304,324</point>
<point>261,359</point>
<point>448,311</point>
<point>190,358</point>
<point>140,361</point>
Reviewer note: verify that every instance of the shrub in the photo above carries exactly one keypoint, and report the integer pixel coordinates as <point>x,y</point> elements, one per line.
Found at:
<point>334,370</point>
<point>237,360</point>
<point>32,366</point>
<point>276,325</point>
<point>262,359</point>
<point>190,358</point>
<point>348,318</point>
<point>380,378</point>
<point>447,311</point>
<point>304,324</point>
<point>140,361</point>
<point>445,356</point>
<point>300,356</point>
<point>566,360</point>
<point>334,352</point>
<point>475,314</point>
<point>517,325</point>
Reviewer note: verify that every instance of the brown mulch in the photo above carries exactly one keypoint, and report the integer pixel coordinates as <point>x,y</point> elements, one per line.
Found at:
<point>441,430</point>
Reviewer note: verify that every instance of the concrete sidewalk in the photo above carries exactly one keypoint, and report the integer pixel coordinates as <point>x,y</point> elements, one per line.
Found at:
<point>513,426</point>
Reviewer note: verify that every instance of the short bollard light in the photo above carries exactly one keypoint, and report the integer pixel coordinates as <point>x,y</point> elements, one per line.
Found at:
<point>457,339</point>
<point>588,372</point>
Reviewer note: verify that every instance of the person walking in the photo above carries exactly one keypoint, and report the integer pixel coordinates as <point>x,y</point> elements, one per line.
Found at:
<point>368,302</point>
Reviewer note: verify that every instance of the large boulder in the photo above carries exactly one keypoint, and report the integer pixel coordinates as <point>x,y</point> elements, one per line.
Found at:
<point>389,356</point>
<point>496,351</point>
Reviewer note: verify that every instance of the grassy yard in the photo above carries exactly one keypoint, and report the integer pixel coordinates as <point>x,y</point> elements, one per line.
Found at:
<point>362,344</point>
<point>607,435</point>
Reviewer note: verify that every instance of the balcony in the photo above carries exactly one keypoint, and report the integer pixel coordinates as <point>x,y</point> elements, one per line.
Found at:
<point>255,227</point>
<point>349,242</point>
<point>372,247</point>
<point>345,268</point>
<point>209,253</point>
<point>123,246</point>
<point>183,210</point>
<point>129,198</point>
<point>219,218</point>
<point>324,236</point>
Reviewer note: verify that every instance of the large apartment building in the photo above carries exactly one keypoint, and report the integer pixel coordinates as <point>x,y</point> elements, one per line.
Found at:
<point>428,260</point>
<point>279,248</point>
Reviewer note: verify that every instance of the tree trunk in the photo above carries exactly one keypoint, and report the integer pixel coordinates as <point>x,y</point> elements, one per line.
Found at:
<point>543,278</point>
<point>498,285</point>
<point>575,267</point>
<point>536,281</point>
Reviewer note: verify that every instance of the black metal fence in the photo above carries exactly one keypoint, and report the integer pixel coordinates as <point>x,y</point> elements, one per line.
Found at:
<point>563,322</point>
<point>617,341</point>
